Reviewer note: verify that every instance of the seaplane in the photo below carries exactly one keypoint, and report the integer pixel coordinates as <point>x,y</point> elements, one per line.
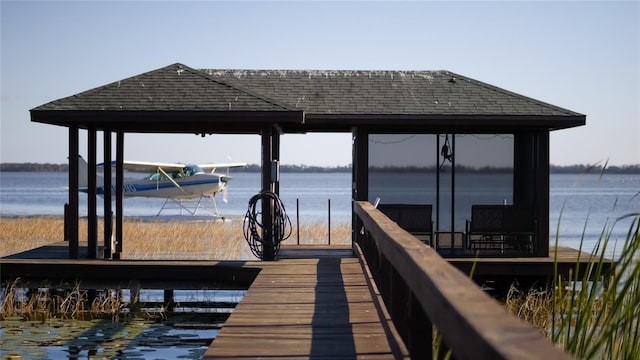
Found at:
<point>183,186</point>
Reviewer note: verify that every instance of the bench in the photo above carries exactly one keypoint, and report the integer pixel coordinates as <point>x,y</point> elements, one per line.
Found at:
<point>414,218</point>
<point>501,227</point>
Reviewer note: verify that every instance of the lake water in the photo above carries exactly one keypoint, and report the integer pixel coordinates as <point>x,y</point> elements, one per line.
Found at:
<point>582,203</point>
<point>185,333</point>
<point>581,206</point>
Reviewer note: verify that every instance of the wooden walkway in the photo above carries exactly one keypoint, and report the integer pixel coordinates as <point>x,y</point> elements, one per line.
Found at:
<point>314,302</point>
<point>309,306</point>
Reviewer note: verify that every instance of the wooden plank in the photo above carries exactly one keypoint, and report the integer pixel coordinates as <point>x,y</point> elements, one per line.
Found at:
<point>302,309</point>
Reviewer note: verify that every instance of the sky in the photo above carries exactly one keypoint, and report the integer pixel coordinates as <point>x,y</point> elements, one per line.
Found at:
<point>582,56</point>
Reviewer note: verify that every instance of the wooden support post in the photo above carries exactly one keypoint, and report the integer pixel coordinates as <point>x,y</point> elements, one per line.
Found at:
<point>134,297</point>
<point>399,304</point>
<point>92,216</point>
<point>384,279</point>
<point>420,337</point>
<point>275,156</point>
<point>542,194</point>
<point>360,176</point>
<point>267,206</point>
<point>108,214</point>
<point>72,227</point>
<point>119,192</point>
<point>169,301</point>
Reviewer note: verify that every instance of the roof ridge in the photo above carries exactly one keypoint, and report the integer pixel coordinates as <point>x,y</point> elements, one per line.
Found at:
<point>107,85</point>
<point>238,88</point>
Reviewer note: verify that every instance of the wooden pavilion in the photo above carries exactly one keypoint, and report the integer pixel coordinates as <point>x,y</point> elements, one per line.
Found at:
<point>271,103</point>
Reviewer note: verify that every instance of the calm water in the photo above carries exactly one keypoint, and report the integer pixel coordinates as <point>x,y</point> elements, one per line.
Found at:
<point>130,338</point>
<point>581,206</point>
<point>590,202</point>
<point>45,194</point>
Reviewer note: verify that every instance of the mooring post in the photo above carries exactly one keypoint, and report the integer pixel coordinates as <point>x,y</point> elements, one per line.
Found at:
<point>169,300</point>
<point>134,297</point>
<point>298,220</point>
<point>65,231</point>
<point>329,219</point>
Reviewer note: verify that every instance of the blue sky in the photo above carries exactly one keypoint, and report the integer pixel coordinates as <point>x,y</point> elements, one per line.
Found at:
<point>583,56</point>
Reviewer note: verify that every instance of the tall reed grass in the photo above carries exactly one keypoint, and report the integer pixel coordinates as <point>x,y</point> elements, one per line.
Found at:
<point>596,315</point>
<point>48,302</point>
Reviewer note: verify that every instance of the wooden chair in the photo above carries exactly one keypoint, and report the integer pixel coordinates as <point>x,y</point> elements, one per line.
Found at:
<point>414,218</point>
<point>501,227</point>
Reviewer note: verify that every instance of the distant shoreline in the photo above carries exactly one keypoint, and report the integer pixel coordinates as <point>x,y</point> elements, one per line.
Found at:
<point>254,168</point>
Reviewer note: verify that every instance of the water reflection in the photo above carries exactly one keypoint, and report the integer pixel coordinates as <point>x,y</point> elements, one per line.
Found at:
<point>151,334</point>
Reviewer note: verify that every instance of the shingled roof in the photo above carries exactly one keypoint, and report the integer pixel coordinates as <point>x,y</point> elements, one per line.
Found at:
<point>424,96</point>
<point>175,93</point>
<point>385,92</point>
<point>177,98</point>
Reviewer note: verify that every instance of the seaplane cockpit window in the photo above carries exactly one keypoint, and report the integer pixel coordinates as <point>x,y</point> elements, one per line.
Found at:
<point>192,170</point>
<point>154,177</point>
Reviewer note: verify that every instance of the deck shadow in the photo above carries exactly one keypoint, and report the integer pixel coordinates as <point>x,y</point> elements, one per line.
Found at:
<point>337,339</point>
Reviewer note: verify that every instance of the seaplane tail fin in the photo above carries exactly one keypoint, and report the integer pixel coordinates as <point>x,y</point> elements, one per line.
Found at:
<point>83,174</point>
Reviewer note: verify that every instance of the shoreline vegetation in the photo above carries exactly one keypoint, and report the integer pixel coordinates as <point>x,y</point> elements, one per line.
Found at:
<point>554,169</point>
<point>595,316</point>
<point>162,239</point>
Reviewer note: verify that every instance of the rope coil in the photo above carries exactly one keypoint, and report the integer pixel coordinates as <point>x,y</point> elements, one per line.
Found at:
<point>254,229</point>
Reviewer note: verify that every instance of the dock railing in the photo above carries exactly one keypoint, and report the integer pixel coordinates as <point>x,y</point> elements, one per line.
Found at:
<point>422,291</point>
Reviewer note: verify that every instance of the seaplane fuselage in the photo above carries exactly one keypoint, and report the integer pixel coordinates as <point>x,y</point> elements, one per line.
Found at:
<point>173,185</point>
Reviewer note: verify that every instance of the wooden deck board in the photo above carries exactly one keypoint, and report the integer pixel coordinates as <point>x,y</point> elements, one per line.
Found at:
<point>321,308</point>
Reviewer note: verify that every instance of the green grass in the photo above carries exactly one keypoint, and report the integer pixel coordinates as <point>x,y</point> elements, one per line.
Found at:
<point>596,316</point>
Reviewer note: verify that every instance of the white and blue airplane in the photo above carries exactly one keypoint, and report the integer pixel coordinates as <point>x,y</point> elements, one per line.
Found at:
<point>182,185</point>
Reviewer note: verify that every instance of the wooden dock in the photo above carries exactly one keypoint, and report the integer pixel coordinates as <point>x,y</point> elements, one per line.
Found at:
<point>314,302</point>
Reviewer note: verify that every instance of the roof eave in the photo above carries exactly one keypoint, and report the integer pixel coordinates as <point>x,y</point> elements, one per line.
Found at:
<point>424,122</point>
<point>178,121</point>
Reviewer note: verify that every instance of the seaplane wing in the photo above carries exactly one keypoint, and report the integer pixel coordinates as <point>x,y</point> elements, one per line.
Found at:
<point>213,167</point>
<point>148,167</point>
<point>170,181</point>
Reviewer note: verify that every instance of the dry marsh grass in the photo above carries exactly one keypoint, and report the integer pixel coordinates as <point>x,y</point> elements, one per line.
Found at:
<point>48,302</point>
<point>19,234</point>
<point>163,240</point>
<point>144,240</point>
